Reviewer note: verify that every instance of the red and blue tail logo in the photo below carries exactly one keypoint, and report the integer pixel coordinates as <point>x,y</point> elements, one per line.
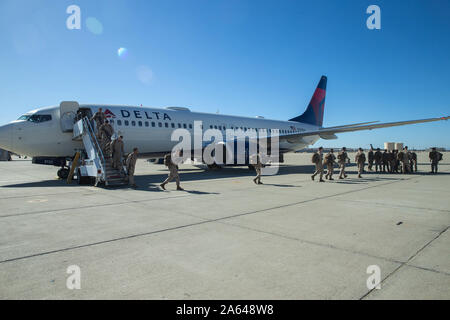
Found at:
<point>314,112</point>
<point>109,114</point>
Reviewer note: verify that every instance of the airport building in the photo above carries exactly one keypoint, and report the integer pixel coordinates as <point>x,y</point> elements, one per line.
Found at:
<point>389,146</point>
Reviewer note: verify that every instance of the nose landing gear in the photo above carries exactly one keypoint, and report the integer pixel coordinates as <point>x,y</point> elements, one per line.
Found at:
<point>63,173</point>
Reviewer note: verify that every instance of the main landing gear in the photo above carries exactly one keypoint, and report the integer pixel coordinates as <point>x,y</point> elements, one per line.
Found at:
<point>214,166</point>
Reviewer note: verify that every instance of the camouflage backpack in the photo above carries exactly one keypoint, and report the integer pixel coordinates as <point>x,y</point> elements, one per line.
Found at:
<point>329,158</point>
<point>315,158</point>
<point>362,158</point>
<point>167,160</point>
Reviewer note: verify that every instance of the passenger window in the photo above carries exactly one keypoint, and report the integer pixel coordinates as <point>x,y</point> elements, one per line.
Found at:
<point>146,123</point>
<point>133,123</point>
<point>160,124</point>
<point>127,122</point>
<point>166,125</point>
<point>210,127</point>
<point>179,125</point>
<point>173,125</point>
<point>215,127</point>
<point>190,126</point>
<point>184,125</point>
<point>153,124</point>
<point>140,123</point>
<point>119,122</point>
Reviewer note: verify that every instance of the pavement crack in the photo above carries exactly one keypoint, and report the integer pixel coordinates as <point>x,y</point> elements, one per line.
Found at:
<point>407,262</point>
<point>182,226</point>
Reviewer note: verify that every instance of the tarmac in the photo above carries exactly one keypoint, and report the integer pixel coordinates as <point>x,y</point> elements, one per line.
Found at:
<point>225,237</point>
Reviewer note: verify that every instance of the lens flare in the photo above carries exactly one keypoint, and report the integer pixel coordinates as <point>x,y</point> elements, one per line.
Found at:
<point>94,26</point>
<point>145,74</point>
<point>122,53</point>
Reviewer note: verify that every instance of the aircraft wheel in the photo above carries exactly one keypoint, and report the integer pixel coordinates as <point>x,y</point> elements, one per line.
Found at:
<point>82,180</point>
<point>63,173</point>
<point>214,166</point>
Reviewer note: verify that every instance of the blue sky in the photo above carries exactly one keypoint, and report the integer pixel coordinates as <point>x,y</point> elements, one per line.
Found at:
<point>237,57</point>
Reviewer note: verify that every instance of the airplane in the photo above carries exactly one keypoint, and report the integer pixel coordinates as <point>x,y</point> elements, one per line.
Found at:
<point>46,134</point>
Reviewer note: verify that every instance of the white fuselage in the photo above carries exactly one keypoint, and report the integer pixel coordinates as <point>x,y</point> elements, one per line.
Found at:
<point>39,133</point>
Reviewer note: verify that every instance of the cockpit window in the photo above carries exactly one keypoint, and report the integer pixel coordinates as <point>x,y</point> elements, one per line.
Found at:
<point>36,118</point>
<point>25,117</point>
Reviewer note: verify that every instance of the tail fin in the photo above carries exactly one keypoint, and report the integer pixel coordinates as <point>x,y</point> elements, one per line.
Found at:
<point>314,112</point>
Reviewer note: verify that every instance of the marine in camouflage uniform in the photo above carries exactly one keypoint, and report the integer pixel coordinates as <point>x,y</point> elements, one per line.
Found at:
<point>106,131</point>
<point>131,166</point>
<point>317,160</point>
<point>385,160</point>
<point>257,164</point>
<point>407,158</point>
<point>342,160</point>
<point>360,159</point>
<point>371,159</point>
<point>435,157</point>
<point>99,118</point>
<point>173,172</point>
<point>329,160</point>
<point>378,157</point>
<point>117,152</point>
<point>393,161</point>
<point>413,162</point>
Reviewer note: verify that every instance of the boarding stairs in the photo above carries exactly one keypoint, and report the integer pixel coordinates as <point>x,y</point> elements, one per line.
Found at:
<point>96,161</point>
<point>114,177</point>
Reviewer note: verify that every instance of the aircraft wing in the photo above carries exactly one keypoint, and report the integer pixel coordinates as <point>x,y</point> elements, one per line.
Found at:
<point>328,133</point>
<point>353,124</point>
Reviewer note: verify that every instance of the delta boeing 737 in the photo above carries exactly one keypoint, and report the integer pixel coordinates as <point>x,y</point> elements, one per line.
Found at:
<point>46,134</point>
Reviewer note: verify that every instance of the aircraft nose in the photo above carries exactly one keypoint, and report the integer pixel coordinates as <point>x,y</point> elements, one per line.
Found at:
<point>6,137</point>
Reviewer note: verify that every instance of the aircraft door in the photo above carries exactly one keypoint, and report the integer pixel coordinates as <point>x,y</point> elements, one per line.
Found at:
<point>68,112</point>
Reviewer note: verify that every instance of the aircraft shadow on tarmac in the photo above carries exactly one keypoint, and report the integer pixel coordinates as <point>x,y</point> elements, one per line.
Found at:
<point>152,181</point>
